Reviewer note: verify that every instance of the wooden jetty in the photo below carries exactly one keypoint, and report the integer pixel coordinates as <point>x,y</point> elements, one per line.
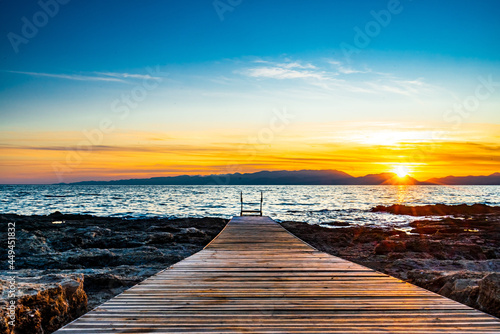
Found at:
<point>255,277</point>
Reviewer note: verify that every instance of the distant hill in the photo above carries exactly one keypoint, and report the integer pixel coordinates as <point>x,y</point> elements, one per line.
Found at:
<point>300,177</point>
<point>384,178</point>
<point>493,179</point>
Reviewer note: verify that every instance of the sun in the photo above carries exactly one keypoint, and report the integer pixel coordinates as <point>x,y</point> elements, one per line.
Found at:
<point>401,171</point>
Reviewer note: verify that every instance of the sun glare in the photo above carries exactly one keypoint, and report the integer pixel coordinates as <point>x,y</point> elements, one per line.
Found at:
<point>400,171</point>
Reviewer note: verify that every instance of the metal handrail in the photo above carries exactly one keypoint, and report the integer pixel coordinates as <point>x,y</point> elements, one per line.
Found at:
<point>251,211</point>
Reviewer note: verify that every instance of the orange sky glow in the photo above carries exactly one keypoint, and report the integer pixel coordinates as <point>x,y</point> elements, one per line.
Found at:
<point>355,148</point>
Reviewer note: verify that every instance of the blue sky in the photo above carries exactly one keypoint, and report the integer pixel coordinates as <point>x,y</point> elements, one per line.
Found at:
<point>127,36</point>
<point>230,73</point>
<point>102,35</point>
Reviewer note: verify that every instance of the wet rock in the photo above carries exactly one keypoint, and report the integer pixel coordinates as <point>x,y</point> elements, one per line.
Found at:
<point>46,303</point>
<point>56,215</point>
<point>139,256</point>
<point>103,286</point>
<point>34,244</point>
<point>464,290</point>
<point>59,216</point>
<point>438,209</point>
<point>489,294</point>
<point>191,234</point>
<point>84,258</point>
<point>161,238</point>
<point>164,228</point>
<point>390,246</point>
<point>335,223</point>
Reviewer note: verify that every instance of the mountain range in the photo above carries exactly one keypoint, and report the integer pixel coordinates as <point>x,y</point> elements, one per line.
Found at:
<point>300,177</point>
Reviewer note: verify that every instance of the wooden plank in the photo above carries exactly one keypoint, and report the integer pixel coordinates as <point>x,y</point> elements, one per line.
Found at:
<point>256,277</point>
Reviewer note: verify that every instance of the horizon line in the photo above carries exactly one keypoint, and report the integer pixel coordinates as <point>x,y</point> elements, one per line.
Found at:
<point>270,171</point>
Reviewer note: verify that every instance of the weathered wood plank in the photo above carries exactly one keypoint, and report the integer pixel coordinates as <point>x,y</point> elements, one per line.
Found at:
<point>256,277</point>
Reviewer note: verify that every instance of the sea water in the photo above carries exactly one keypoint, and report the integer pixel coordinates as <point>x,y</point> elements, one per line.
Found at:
<point>325,205</point>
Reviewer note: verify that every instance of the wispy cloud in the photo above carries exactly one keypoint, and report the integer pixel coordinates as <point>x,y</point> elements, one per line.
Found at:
<point>93,76</point>
<point>276,72</point>
<point>297,65</point>
<point>333,76</point>
<point>126,75</point>
<point>77,77</point>
<point>343,69</point>
<point>284,70</point>
<point>349,70</point>
<point>109,148</point>
<point>413,87</point>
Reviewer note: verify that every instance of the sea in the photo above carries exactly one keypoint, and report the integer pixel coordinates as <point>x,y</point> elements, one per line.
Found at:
<point>330,206</point>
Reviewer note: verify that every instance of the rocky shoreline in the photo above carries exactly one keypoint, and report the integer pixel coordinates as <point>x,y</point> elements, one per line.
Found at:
<point>66,265</point>
<point>456,256</point>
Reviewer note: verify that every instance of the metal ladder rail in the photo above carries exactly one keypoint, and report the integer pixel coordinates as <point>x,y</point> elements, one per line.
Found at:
<point>251,212</point>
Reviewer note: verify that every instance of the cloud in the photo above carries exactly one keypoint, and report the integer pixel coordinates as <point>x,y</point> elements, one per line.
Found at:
<point>348,70</point>
<point>342,69</point>
<point>277,72</point>
<point>402,87</point>
<point>284,70</point>
<point>389,89</point>
<point>69,76</point>
<point>334,77</point>
<point>94,76</point>
<point>297,65</point>
<point>109,148</point>
<point>127,75</point>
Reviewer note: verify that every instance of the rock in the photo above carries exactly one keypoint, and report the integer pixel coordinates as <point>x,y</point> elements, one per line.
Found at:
<point>191,234</point>
<point>59,216</point>
<point>139,256</point>
<point>103,286</point>
<point>113,241</point>
<point>463,290</point>
<point>46,303</point>
<point>164,228</point>
<point>32,244</point>
<point>438,209</point>
<point>476,289</point>
<point>489,294</point>
<point>92,257</point>
<point>389,246</point>
<point>424,246</point>
<point>336,223</point>
<point>56,215</point>
<point>161,238</point>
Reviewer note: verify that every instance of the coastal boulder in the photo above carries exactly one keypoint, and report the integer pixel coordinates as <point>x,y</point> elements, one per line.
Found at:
<point>139,256</point>
<point>489,294</point>
<point>32,242</point>
<point>161,238</point>
<point>192,235</point>
<point>463,290</point>
<point>46,303</point>
<point>89,258</point>
<point>390,246</point>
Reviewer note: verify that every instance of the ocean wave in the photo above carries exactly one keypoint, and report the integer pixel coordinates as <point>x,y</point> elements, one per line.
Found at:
<point>58,196</point>
<point>318,205</point>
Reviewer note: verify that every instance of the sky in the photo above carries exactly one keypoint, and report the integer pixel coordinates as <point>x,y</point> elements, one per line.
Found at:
<point>102,90</point>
